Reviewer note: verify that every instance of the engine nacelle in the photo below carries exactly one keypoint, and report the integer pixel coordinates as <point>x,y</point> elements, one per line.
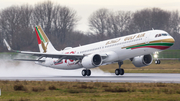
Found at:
<point>143,60</point>
<point>91,61</point>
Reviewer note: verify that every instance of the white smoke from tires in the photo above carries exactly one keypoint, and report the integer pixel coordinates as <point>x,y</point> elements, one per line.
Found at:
<point>11,68</point>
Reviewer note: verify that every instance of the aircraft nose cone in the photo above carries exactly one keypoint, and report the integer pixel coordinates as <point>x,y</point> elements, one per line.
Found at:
<point>172,40</point>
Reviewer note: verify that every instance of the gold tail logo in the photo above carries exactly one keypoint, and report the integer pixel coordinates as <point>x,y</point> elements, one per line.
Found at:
<point>44,47</point>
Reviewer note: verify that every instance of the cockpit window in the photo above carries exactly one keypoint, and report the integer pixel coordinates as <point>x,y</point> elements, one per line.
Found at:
<point>164,34</point>
<point>156,35</point>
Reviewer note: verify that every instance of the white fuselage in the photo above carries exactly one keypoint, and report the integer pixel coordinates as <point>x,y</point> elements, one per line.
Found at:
<point>117,49</point>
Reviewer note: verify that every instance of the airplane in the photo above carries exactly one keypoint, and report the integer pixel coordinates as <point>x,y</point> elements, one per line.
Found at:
<point>136,47</point>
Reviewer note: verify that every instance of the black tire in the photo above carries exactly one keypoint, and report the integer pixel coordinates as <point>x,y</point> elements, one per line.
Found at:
<point>88,72</point>
<point>121,71</point>
<point>84,72</point>
<point>159,61</point>
<point>156,61</point>
<point>117,71</point>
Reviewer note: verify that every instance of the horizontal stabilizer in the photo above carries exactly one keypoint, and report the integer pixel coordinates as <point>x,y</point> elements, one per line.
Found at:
<point>29,60</point>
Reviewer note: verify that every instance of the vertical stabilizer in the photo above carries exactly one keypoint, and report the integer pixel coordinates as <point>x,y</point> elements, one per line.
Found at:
<point>45,45</point>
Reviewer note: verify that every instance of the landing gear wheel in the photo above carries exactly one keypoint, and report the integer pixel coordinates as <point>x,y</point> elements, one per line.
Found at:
<point>121,71</point>
<point>117,72</point>
<point>88,72</point>
<point>84,72</point>
<point>157,61</point>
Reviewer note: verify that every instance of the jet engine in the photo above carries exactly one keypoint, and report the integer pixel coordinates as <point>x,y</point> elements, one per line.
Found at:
<point>91,61</point>
<point>143,60</point>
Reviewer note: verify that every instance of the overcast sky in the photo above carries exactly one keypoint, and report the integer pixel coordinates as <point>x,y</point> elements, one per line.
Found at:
<point>85,8</point>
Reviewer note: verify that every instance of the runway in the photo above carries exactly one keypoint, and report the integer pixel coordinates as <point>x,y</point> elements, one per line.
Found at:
<point>128,77</point>
<point>10,70</point>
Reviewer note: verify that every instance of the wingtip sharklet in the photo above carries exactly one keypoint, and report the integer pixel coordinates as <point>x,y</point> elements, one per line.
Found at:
<point>7,45</point>
<point>9,48</point>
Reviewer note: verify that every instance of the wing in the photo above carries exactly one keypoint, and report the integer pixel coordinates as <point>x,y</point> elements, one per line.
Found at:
<point>56,55</point>
<point>50,55</point>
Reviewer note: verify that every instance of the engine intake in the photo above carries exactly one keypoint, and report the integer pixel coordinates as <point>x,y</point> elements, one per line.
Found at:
<point>91,61</point>
<point>143,60</point>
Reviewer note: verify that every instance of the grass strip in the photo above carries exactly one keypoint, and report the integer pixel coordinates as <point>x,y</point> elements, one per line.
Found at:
<point>90,91</point>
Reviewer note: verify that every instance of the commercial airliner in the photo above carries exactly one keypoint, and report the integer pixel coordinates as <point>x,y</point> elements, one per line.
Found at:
<point>136,47</point>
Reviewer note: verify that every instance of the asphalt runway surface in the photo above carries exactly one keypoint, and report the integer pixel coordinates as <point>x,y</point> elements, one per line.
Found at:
<point>127,77</point>
<point>10,70</point>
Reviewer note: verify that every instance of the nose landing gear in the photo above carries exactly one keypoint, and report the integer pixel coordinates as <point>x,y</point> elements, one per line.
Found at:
<point>157,62</point>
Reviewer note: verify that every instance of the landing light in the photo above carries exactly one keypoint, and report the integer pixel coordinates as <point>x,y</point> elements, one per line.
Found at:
<point>155,56</point>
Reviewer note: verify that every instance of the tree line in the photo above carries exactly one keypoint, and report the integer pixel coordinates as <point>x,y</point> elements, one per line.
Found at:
<point>59,22</point>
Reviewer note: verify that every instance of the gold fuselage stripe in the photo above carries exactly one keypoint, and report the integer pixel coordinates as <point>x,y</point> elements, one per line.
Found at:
<point>169,40</point>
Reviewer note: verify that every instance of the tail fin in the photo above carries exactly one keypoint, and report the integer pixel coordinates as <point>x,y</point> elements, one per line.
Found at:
<point>45,45</point>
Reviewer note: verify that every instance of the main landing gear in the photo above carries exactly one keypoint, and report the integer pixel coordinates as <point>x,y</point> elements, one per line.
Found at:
<point>86,72</point>
<point>119,71</point>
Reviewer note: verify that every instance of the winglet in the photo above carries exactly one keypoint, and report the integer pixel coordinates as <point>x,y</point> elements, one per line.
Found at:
<point>7,45</point>
<point>9,48</point>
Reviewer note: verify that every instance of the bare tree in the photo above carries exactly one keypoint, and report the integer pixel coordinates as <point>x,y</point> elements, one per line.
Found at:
<point>118,22</point>
<point>64,22</point>
<point>108,23</point>
<point>147,19</point>
<point>43,15</point>
<point>16,27</point>
<point>98,22</point>
<point>10,19</point>
<point>26,35</point>
<point>174,22</point>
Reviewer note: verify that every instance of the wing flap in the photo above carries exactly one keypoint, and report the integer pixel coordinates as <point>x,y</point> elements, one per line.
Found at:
<point>29,60</point>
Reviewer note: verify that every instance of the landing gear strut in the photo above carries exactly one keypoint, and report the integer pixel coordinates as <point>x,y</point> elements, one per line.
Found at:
<point>119,71</point>
<point>157,61</point>
<point>86,72</point>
